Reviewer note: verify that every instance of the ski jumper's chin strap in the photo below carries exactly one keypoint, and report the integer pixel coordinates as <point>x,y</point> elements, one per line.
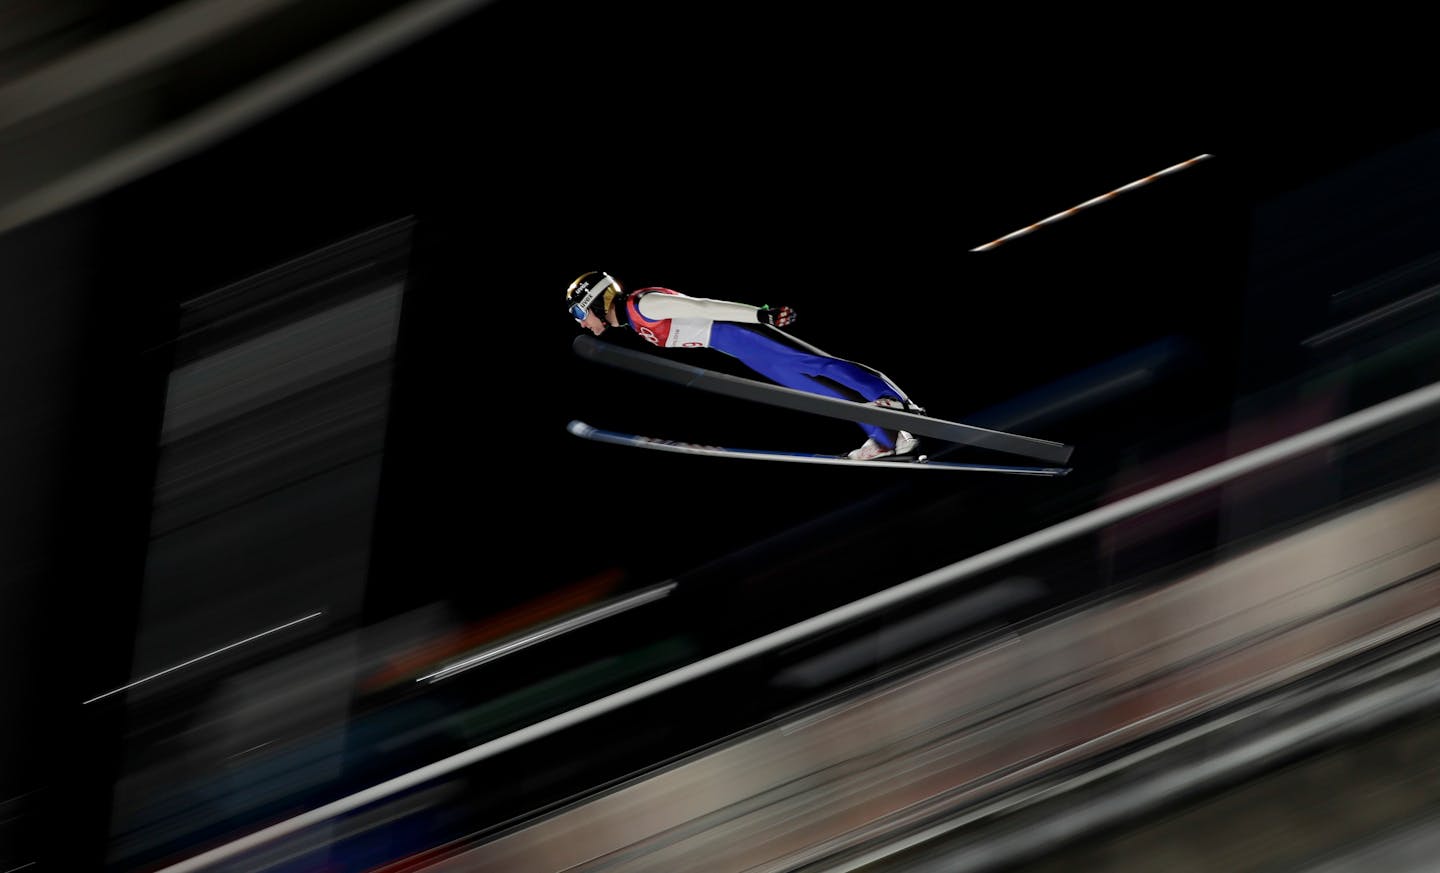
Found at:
<point>621,307</point>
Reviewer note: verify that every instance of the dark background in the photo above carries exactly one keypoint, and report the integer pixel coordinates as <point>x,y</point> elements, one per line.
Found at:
<point>843,163</point>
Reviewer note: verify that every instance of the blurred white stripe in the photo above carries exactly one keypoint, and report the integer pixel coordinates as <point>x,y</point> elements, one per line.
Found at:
<point>200,658</point>
<point>550,631</point>
<point>1091,202</point>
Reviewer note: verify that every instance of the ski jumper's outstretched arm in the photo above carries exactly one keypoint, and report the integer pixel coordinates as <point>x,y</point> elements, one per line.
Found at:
<point>658,306</point>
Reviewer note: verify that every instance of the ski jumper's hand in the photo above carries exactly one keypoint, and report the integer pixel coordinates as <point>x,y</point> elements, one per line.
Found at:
<point>777,316</point>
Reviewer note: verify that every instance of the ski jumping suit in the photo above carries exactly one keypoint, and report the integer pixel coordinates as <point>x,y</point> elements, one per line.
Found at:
<point>673,320</point>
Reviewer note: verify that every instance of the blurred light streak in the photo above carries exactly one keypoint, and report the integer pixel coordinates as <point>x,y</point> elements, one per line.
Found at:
<point>892,688</point>
<point>169,35</point>
<point>247,751</point>
<point>526,615</point>
<point>551,631</point>
<point>1412,273</point>
<point>284,361</point>
<point>225,116</point>
<point>1371,318</point>
<point>200,658</point>
<point>1091,202</point>
<point>912,633</point>
<point>21,867</point>
<point>1355,423</point>
<point>1346,719</point>
<point>1411,849</point>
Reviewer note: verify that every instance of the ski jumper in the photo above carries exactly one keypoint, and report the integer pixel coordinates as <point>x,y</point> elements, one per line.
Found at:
<point>670,319</point>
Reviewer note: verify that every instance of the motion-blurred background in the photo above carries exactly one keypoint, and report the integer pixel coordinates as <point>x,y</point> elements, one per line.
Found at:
<point>301,571</point>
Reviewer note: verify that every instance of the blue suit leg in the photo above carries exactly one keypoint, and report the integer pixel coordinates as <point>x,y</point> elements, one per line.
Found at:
<point>784,360</point>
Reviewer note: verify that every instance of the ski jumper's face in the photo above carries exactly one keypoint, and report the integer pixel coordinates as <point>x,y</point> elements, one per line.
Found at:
<point>594,323</point>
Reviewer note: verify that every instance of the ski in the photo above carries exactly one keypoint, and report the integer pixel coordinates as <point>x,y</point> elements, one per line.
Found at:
<point>594,349</point>
<point>919,462</point>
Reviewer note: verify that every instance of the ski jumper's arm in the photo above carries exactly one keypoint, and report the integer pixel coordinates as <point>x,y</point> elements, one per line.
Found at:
<point>673,320</point>
<point>661,306</point>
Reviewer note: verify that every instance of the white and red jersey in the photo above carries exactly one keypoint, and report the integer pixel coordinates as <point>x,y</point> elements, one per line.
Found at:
<point>670,319</point>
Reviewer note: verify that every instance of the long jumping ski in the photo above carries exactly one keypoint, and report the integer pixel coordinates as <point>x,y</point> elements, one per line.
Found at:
<point>595,349</point>
<point>919,462</point>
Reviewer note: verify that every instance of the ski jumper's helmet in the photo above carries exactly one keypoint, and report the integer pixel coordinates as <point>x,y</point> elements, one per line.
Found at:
<point>591,292</point>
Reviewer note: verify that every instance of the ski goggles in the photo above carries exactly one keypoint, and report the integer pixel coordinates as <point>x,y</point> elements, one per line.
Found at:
<point>581,307</point>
